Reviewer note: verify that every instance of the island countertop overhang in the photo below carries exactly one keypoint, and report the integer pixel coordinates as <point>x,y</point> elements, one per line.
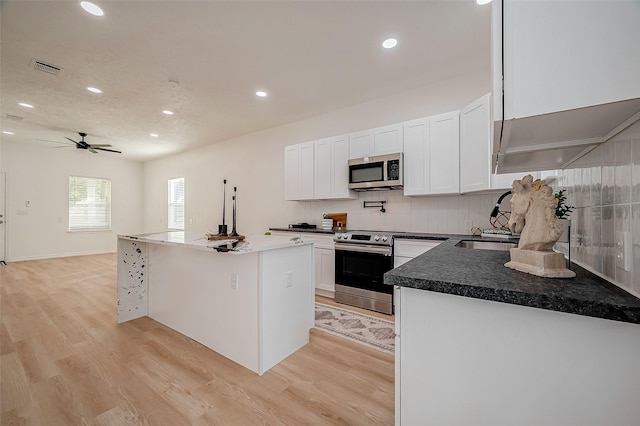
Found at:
<point>198,240</point>
<point>481,274</point>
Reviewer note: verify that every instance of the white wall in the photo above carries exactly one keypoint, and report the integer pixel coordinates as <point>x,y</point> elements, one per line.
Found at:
<point>40,175</point>
<point>255,162</point>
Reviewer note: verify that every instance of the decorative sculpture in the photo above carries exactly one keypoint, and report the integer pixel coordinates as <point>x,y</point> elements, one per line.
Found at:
<point>533,216</point>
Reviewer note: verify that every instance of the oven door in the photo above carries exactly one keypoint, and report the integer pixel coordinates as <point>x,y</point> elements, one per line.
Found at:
<point>363,266</point>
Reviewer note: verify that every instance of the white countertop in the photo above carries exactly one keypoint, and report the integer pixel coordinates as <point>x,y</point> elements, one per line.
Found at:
<point>198,240</point>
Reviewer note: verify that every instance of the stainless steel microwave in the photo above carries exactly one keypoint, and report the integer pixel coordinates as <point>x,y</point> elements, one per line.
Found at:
<point>376,173</point>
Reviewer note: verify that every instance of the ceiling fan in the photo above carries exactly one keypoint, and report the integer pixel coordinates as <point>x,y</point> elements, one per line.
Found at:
<point>91,147</point>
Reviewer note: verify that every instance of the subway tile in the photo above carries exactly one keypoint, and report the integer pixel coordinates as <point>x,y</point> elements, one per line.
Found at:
<point>635,237</point>
<point>635,169</point>
<point>622,171</point>
<point>608,173</point>
<point>607,252</point>
<point>622,224</point>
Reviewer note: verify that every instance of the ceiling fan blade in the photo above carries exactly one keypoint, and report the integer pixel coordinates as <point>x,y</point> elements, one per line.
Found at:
<point>60,142</point>
<point>92,150</point>
<point>110,150</point>
<point>71,140</point>
<point>95,145</point>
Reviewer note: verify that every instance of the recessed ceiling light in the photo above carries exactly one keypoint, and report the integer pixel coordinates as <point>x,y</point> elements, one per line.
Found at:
<point>261,93</point>
<point>91,8</point>
<point>26,105</point>
<point>94,89</point>
<point>389,43</point>
<point>166,111</point>
<point>483,1</point>
<point>153,135</point>
<point>6,132</point>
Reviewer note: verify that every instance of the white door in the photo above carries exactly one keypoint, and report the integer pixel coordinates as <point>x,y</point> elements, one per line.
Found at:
<point>2,214</point>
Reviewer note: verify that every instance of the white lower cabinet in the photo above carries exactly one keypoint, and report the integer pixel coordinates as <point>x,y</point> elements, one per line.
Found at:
<point>325,257</point>
<point>405,250</point>
<point>466,361</point>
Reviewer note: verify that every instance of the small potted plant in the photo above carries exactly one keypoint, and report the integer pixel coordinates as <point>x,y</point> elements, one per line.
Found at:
<point>563,210</point>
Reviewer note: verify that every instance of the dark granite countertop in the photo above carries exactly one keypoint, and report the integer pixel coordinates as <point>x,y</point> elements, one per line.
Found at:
<point>481,274</point>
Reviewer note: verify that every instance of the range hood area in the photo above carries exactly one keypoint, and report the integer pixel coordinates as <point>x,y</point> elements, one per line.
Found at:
<point>565,80</point>
<point>555,140</point>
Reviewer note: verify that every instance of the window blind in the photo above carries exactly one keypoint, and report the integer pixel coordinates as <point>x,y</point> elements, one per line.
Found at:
<point>176,204</point>
<point>89,204</point>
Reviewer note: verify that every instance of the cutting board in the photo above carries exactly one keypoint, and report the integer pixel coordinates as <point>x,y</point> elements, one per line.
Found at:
<point>338,217</point>
<point>223,237</point>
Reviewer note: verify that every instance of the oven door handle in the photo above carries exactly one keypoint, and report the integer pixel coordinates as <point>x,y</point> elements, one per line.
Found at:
<point>387,251</point>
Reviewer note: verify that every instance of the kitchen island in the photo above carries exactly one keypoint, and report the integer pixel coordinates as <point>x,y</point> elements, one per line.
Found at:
<point>482,344</point>
<point>253,304</point>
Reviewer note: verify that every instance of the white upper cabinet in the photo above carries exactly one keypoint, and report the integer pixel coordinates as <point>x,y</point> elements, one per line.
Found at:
<point>570,79</point>
<point>416,157</point>
<point>475,151</point>
<point>388,140</point>
<point>331,178</point>
<point>298,171</point>
<point>431,151</point>
<point>317,170</point>
<point>475,146</point>
<point>322,170</point>
<point>379,141</point>
<point>361,144</point>
<point>444,153</point>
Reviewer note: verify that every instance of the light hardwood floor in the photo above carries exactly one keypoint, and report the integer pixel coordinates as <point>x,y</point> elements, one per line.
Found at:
<point>65,361</point>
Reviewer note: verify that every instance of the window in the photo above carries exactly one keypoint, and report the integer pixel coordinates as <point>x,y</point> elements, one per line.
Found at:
<point>176,204</point>
<point>89,204</point>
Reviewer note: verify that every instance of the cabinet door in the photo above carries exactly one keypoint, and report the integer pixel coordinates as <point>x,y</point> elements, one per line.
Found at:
<point>340,168</point>
<point>416,157</point>
<point>475,145</point>
<point>388,140</point>
<point>306,171</point>
<point>325,269</point>
<point>361,144</point>
<point>298,171</point>
<point>292,172</point>
<point>322,171</point>
<point>444,153</point>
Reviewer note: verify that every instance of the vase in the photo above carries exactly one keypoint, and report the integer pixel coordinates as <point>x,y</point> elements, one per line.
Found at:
<point>566,230</point>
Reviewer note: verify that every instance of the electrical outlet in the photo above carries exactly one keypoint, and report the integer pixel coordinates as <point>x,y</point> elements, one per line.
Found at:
<point>190,221</point>
<point>623,250</point>
<point>21,212</point>
<point>234,281</point>
<point>289,278</point>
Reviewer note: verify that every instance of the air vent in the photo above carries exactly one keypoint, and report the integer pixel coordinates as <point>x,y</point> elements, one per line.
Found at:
<point>44,67</point>
<point>12,117</point>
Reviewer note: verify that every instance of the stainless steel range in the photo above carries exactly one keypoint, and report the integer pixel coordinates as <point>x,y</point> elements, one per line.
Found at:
<point>362,258</point>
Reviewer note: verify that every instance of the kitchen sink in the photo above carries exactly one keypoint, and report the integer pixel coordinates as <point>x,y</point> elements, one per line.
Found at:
<point>486,245</point>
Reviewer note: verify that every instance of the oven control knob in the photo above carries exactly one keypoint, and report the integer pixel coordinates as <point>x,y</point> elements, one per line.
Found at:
<point>338,236</point>
<point>377,237</point>
<point>384,238</point>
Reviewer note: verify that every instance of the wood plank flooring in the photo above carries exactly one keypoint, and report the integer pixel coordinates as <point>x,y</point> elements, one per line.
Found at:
<point>65,361</point>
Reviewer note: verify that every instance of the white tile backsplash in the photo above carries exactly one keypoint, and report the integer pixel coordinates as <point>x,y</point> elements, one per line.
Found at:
<point>605,188</point>
<point>435,214</point>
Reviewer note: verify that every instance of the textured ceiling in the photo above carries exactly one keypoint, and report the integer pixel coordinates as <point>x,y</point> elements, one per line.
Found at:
<point>310,56</point>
